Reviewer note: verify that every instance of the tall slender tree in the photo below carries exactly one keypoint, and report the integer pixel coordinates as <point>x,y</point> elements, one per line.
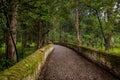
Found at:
<point>77,21</point>
<point>11,23</point>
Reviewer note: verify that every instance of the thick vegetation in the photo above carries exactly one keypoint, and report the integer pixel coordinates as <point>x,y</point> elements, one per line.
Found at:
<point>26,25</point>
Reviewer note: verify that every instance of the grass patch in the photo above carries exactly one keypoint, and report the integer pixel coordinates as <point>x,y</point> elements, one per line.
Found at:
<point>115,51</point>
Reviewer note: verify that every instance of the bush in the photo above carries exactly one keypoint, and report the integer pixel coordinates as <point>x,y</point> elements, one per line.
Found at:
<point>5,63</point>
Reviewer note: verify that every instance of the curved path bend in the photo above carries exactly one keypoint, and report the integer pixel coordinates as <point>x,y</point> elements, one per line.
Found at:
<point>65,64</point>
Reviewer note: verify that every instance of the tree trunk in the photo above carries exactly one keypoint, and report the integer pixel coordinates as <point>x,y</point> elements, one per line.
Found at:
<point>60,34</point>
<point>109,40</point>
<point>24,41</point>
<point>77,22</point>
<point>11,50</point>
<point>101,29</point>
<point>39,36</point>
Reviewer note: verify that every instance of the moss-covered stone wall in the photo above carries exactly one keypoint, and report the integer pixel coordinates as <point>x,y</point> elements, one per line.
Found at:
<point>106,60</point>
<point>29,68</point>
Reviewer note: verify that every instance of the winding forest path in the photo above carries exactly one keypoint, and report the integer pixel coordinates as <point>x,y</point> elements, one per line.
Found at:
<point>65,64</point>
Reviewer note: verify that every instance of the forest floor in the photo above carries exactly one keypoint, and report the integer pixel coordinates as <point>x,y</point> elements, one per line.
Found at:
<point>65,64</point>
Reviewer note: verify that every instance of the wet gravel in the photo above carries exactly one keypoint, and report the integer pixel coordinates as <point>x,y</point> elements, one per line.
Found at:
<point>66,64</point>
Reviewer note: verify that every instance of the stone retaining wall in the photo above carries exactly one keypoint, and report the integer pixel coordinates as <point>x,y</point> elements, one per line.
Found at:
<point>106,60</point>
<point>29,68</point>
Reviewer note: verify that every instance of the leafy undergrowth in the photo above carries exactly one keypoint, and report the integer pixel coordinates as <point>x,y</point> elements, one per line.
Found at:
<point>116,51</point>
<point>6,63</point>
<point>26,53</point>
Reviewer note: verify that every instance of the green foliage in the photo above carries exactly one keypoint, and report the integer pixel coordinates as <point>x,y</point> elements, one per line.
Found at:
<point>5,63</point>
<point>48,20</point>
<point>28,67</point>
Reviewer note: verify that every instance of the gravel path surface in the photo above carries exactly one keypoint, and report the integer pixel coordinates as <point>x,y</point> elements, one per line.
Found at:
<point>65,64</point>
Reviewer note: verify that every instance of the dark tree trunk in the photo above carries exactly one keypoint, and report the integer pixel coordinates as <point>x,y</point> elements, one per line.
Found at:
<point>11,51</point>
<point>39,36</point>
<point>23,40</point>
<point>101,29</point>
<point>60,34</point>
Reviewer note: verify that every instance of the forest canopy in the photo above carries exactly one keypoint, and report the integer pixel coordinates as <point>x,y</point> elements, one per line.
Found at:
<point>26,25</point>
